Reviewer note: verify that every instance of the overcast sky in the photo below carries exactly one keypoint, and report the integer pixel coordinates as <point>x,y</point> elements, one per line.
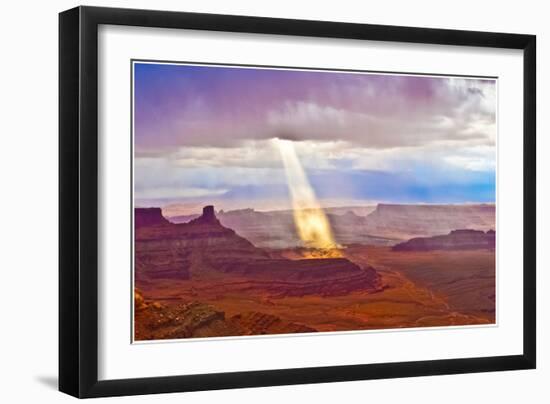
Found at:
<point>203,135</point>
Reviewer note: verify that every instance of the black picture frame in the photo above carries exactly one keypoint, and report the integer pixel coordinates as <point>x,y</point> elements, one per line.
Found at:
<point>78,200</point>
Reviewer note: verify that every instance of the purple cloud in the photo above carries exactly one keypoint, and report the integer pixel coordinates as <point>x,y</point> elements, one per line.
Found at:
<point>180,105</point>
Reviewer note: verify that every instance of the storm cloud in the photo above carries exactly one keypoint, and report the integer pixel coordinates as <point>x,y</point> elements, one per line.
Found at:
<point>222,106</point>
<point>206,131</point>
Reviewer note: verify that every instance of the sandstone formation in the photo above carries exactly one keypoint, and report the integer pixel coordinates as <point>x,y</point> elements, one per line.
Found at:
<point>148,217</point>
<point>456,240</point>
<point>203,249</point>
<point>324,277</point>
<point>181,321</point>
<point>194,320</point>
<point>256,323</point>
<point>203,278</point>
<point>387,224</point>
<point>406,221</point>
<point>175,250</point>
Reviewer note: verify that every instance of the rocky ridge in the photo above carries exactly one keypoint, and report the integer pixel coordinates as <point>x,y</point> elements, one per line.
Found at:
<point>387,224</point>
<point>465,239</point>
<point>194,320</point>
<point>204,248</point>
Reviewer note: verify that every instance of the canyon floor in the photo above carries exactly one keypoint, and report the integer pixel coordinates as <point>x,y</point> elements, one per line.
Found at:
<point>419,289</point>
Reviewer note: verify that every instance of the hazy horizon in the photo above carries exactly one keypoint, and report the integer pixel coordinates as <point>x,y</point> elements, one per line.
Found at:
<point>186,209</point>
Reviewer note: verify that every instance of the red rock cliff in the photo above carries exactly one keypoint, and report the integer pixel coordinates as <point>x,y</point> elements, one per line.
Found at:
<point>148,217</point>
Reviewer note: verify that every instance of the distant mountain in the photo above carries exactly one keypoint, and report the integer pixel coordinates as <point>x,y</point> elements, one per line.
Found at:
<point>276,229</point>
<point>183,218</point>
<point>204,248</point>
<point>403,222</point>
<point>265,229</point>
<point>455,240</point>
<point>384,224</point>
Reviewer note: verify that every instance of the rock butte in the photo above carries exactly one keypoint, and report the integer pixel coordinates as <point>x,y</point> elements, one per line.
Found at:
<point>204,248</point>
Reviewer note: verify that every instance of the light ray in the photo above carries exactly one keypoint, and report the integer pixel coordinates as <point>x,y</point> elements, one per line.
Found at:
<point>312,224</point>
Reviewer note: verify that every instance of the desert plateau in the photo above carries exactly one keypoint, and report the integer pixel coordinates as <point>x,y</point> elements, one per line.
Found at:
<point>202,279</point>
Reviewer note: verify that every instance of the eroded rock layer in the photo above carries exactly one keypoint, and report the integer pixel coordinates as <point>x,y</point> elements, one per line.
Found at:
<point>194,320</point>
<point>204,248</point>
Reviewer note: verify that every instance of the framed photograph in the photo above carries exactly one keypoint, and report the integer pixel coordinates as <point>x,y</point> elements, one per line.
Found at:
<point>251,201</point>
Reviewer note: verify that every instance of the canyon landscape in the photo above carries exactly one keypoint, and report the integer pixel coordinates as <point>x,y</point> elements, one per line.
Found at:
<point>284,201</point>
<point>201,278</point>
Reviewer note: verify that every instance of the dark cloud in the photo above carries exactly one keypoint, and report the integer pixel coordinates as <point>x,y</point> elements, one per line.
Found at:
<point>212,106</point>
